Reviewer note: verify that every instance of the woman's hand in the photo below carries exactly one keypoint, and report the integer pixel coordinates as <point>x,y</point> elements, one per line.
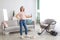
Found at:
<point>17,16</point>
<point>28,16</point>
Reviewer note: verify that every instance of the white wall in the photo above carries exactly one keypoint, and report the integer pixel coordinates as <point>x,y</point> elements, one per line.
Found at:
<point>50,9</point>
<point>1,15</point>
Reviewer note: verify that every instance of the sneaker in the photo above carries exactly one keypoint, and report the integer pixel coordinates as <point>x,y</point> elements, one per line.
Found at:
<point>27,36</point>
<point>32,37</point>
<point>22,37</point>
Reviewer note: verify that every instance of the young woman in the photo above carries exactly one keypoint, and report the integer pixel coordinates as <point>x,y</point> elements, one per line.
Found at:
<point>22,17</point>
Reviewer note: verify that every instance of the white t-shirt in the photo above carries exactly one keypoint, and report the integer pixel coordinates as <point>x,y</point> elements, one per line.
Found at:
<point>22,15</point>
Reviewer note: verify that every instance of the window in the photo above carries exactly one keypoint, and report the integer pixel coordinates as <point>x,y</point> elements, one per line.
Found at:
<point>5,15</point>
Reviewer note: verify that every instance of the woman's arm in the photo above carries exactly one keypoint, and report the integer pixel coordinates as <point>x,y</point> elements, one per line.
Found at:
<point>17,16</point>
<point>28,16</point>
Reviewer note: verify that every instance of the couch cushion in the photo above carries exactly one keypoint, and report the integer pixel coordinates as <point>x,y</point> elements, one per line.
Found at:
<point>12,23</point>
<point>29,22</point>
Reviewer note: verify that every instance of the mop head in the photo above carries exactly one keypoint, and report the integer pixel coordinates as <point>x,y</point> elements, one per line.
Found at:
<point>39,33</point>
<point>53,33</point>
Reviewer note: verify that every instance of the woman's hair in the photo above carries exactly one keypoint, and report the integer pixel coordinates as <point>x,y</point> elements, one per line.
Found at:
<point>22,8</point>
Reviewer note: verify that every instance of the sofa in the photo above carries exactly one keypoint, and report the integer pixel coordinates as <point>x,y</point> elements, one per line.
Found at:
<point>13,26</point>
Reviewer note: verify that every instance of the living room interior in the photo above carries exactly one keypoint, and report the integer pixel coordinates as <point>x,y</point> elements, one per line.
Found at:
<point>40,11</point>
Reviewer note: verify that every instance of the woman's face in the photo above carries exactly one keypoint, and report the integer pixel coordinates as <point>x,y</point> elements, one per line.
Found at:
<point>22,9</point>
